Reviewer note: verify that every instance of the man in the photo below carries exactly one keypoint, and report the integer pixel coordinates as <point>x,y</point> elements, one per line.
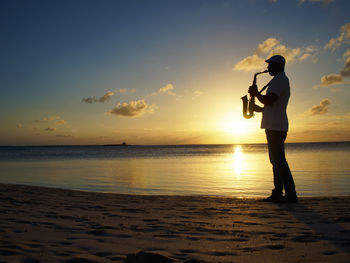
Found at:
<point>275,122</point>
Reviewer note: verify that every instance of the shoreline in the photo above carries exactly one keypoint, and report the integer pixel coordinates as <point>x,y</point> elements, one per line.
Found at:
<point>252,197</point>
<point>41,224</point>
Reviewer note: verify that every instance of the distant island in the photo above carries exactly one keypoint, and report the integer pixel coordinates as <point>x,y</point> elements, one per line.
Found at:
<point>122,144</point>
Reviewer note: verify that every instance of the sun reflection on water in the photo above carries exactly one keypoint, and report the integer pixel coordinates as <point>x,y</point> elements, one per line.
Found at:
<point>238,159</point>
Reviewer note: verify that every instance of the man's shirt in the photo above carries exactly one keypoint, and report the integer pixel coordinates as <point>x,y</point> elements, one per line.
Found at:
<point>274,117</point>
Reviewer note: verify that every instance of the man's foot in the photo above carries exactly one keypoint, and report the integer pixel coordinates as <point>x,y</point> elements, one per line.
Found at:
<point>290,199</point>
<point>274,199</point>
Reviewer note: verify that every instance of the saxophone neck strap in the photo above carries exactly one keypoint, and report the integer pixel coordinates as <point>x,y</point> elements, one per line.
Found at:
<point>265,87</point>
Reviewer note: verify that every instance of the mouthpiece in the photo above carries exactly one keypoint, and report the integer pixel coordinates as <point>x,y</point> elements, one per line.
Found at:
<point>262,72</point>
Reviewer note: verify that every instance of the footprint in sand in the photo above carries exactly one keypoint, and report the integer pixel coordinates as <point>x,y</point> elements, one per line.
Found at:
<point>188,251</point>
<point>329,253</point>
<point>275,247</point>
<point>7,252</point>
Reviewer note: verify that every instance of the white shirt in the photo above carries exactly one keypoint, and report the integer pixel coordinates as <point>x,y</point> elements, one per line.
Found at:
<point>274,117</point>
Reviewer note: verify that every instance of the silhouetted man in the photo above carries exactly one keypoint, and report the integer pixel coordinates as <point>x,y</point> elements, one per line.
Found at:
<point>275,122</point>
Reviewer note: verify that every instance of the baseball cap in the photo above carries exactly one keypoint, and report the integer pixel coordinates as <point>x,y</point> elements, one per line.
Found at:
<point>276,59</point>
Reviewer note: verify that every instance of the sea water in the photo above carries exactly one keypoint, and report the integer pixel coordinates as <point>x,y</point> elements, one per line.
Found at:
<point>319,169</point>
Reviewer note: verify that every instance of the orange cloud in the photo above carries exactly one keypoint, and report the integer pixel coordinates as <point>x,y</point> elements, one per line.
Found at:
<point>343,37</point>
<point>320,109</point>
<point>48,119</point>
<point>268,48</point>
<point>250,63</point>
<point>345,72</point>
<point>50,129</point>
<point>133,108</point>
<point>290,54</point>
<point>104,98</point>
<point>332,79</point>
<point>168,89</point>
<point>60,122</point>
<point>54,120</point>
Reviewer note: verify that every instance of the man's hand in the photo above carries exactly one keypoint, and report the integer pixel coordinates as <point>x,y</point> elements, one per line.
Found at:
<point>253,90</point>
<point>257,108</point>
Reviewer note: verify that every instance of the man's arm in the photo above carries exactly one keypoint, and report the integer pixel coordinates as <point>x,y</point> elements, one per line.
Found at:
<point>267,99</point>
<point>257,108</point>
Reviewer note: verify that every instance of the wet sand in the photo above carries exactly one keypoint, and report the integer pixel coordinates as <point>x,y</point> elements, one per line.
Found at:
<point>40,224</point>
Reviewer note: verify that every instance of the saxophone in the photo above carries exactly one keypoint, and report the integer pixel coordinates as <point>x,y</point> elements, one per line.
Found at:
<point>249,105</point>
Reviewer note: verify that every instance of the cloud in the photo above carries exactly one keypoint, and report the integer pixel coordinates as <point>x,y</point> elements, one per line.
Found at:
<point>270,47</point>
<point>167,89</point>
<point>320,109</point>
<point>48,119</point>
<point>250,63</point>
<point>335,79</point>
<point>102,99</point>
<point>133,108</point>
<point>60,122</point>
<point>290,54</point>
<point>342,38</point>
<point>197,93</point>
<point>345,72</point>
<point>54,120</point>
<point>347,53</point>
<point>304,57</point>
<point>50,129</point>
<point>266,46</point>
<point>133,90</point>
<point>122,90</point>
<point>106,97</point>
<point>332,79</point>
<point>89,100</point>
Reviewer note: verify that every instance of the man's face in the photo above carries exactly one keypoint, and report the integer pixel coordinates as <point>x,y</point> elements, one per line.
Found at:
<point>274,68</point>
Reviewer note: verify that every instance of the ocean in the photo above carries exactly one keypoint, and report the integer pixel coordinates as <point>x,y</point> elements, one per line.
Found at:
<point>319,169</point>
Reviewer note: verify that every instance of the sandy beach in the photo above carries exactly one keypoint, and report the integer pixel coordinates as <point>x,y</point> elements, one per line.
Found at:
<point>53,225</point>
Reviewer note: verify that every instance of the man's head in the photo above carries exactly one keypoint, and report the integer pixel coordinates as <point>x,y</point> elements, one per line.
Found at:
<point>276,64</point>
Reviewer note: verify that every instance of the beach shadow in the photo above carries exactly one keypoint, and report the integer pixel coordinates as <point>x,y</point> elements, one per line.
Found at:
<point>325,224</point>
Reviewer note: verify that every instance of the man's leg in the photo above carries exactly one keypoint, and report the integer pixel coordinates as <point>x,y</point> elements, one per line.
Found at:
<point>273,146</point>
<point>277,182</point>
<point>282,175</point>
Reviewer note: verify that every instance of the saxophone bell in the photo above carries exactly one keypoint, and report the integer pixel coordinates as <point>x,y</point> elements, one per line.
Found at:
<point>247,113</point>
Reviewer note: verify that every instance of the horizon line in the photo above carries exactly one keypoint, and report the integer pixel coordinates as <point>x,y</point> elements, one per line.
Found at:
<point>190,144</point>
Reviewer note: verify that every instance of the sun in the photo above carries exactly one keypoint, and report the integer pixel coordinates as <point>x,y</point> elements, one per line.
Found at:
<point>234,126</point>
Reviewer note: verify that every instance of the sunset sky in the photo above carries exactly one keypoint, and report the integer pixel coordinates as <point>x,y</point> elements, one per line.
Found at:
<point>168,72</point>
